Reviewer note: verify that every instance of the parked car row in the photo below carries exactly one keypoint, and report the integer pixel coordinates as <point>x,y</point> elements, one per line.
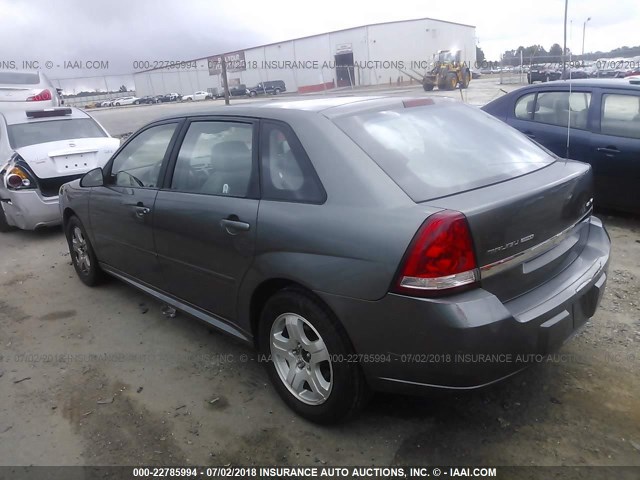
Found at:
<point>274,87</point>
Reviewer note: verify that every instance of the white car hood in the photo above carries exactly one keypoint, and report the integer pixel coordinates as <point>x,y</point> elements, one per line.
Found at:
<point>68,157</point>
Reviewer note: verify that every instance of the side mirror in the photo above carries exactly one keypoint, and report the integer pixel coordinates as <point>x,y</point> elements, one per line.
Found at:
<point>93,178</point>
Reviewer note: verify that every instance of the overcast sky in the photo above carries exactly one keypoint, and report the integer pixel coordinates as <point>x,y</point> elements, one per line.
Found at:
<point>122,31</point>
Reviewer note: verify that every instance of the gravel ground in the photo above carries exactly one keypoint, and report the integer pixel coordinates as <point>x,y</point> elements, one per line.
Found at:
<point>100,377</point>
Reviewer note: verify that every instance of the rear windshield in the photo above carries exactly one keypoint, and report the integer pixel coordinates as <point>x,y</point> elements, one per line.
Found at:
<point>19,78</point>
<point>441,149</point>
<point>33,133</point>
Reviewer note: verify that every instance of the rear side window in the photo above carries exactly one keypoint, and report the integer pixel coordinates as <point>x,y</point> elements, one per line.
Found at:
<point>524,107</point>
<point>620,115</point>
<point>287,173</point>
<point>562,108</point>
<point>443,149</point>
<point>33,133</point>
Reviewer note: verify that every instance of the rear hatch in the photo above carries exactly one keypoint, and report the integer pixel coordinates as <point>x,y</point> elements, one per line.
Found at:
<point>68,157</point>
<point>528,229</point>
<point>524,206</point>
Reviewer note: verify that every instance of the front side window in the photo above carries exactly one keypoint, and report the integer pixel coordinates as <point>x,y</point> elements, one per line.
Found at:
<point>216,158</point>
<point>287,173</point>
<point>621,115</point>
<point>138,163</point>
<point>563,109</point>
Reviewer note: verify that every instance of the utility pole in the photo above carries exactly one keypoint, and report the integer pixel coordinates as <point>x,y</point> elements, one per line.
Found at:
<point>584,28</point>
<point>224,79</point>
<point>564,49</point>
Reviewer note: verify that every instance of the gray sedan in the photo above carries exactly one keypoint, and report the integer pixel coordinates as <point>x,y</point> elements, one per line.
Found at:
<point>359,244</point>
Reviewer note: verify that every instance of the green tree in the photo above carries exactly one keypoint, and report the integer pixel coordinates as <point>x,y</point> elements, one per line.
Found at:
<point>555,53</point>
<point>479,55</point>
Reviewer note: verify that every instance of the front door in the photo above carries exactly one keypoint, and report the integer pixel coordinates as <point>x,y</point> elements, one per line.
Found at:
<point>122,212</point>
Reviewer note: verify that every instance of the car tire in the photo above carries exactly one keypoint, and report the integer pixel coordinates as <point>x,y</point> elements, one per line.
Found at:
<point>117,104</point>
<point>276,91</point>
<point>339,388</point>
<point>136,102</point>
<point>83,257</point>
<point>4,226</point>
<point>452,81</point>
<point>252,94</point>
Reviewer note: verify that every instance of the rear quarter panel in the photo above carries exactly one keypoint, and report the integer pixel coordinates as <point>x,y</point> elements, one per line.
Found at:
<point>352,244</point>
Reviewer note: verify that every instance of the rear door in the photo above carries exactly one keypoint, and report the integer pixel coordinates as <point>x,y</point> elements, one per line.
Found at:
<point>551,117</point>
<point>122,212</point>
<point>615,150</point>
<point>205,217</point>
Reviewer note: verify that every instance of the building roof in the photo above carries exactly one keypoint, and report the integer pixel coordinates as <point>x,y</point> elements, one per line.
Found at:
<point>316,35</point>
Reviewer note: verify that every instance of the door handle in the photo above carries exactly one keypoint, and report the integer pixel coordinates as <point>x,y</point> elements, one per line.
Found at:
<point>608,150</point>
<point>141,210</point>
<point>233,225</point>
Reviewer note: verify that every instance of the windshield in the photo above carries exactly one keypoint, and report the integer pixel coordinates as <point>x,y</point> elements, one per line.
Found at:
<point>33,133</point>
<point>437,150</point>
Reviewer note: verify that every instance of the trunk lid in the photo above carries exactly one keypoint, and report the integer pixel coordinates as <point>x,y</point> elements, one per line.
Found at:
<point>528,229</point>
<point>16,94</point>
<point>68,157</point>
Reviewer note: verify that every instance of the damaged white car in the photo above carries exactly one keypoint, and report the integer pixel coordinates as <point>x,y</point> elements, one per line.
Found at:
<point>40,150</point>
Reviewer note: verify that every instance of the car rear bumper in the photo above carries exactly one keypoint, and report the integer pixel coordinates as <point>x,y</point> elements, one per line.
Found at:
<point>472,339</point>
<point>28,210</point>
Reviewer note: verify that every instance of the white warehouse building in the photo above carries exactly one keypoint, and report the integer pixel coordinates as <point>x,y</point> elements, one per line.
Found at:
<point>369,55</point>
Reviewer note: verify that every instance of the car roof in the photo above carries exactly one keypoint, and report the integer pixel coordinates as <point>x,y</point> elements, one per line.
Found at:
<point>13,117</point>
<point>329,106</point>
<point>593,82</point>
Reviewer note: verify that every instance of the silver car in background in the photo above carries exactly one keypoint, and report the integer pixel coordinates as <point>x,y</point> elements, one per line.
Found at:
<point>24,89</point>
<point>40,150</point>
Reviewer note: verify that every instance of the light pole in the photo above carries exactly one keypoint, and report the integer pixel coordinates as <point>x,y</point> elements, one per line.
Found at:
<point>564,47</point>
<point>584,28</point>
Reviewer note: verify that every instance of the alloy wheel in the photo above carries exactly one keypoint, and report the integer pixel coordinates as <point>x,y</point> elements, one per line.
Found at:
<point>301,359</point>
<point>80,250</point>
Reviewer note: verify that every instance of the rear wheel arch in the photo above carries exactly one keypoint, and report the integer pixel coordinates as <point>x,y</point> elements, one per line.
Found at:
<point>66,215</point>
<point>269,288</point>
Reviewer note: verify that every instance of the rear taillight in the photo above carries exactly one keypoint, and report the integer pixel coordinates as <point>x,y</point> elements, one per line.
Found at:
<point>40,97</point>
<point>19,178</point>
<point>440,258</point>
